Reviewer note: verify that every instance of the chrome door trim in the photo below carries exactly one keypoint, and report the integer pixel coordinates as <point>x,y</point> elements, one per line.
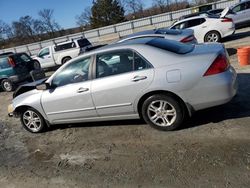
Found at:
<point>113,106</point>
<point>70,111</point>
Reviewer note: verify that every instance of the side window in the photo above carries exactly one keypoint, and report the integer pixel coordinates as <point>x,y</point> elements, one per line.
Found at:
<point>239,7</point>
<point>4,63</point>
<point>44,52</point>
<point>75,72</point>
<point>181,25</point>
<point>118,62</point>
<point>248,5</point>
<point>195,22</point>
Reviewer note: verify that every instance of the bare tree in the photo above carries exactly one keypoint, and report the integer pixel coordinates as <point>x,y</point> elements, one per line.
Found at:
<point>162,5</point>
<point>46,17</point>
<point>5,30</point>
<point>134,7</point>
<point>84,18</point>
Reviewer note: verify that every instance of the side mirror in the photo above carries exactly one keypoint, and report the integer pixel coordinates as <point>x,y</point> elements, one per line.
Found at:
<point>43,86</point>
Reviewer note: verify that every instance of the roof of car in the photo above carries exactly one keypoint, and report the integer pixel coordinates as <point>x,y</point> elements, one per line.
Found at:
<point>191,18</point>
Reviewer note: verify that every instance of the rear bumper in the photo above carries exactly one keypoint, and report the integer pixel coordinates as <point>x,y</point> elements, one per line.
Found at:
<point>214,90</point>
<point>229,32</point>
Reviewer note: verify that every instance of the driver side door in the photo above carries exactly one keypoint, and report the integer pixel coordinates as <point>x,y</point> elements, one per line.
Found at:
<point>70,101</point>
<point>45,58</point>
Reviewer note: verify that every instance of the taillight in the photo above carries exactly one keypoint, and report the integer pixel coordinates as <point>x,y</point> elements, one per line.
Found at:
<point>226,20</point>
<point>219,65</point>
<point>188,39</point>
<point>11,62</point>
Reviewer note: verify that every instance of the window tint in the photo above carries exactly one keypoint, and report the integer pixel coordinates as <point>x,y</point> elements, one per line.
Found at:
<point>195,22</point>
<point>83,42</point>
<point>248,5</point>
<point>4,63</point>
<point>118,62</point>
<point>172,46</point>
<point>75,72</point>
<point>44,52</point>
<point>64,46</point>
<point>239,7</point>
<point>181,25</point>
<point>20,58</point>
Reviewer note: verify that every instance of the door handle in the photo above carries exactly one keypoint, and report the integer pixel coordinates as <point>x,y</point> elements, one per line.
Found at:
<point>81,90</point>
<point>138,78</point>
<point>204,26</point>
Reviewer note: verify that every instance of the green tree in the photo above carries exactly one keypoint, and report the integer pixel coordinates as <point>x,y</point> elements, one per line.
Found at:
<point>106,12</point>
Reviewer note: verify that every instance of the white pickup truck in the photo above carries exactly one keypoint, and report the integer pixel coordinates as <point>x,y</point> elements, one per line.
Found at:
<point>59,54</point>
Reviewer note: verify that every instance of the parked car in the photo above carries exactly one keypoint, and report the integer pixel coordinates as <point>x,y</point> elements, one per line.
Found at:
<point>160,80</point>
<point>15,68</point>
<point>185,36</point>
<point>211,12</point>
<point>240,13</point>
<point>206,28</point>
<point>59,54</point>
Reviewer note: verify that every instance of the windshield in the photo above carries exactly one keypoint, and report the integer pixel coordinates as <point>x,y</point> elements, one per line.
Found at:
<point>170,45</point>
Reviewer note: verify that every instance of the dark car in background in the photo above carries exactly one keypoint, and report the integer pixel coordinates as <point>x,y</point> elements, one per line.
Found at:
<point>15,68</point>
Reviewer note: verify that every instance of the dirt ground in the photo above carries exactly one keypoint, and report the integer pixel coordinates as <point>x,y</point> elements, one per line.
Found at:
<point>211,150</point>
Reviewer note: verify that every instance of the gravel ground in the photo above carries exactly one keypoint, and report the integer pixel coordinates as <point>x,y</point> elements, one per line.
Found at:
<point>211,150</point>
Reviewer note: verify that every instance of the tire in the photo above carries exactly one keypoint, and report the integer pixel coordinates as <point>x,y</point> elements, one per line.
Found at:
<point>32,121</point>
<point>64,60</point>
<point>212,36</point>
<point>163,112</point>
<point>36,65</point>
<point>7,85</point>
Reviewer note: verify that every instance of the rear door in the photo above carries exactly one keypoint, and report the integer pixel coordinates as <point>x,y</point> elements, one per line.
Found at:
<point>121,76</point>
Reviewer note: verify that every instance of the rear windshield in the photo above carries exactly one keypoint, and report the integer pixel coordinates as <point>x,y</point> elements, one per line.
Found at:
<point>20,58</point>
<point>170,45</point>
<point>83,42</point>
<point>4,63</point>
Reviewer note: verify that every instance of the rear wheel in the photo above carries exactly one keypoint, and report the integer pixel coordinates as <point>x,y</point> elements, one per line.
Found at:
<point>163,112</point>
<point>212,36</point>
<point>65,59</point>
<point>36,65</point>
<point>32,121</point>
<point>7,85</point>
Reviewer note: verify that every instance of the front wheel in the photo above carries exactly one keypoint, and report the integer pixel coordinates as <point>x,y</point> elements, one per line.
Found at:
<point>163,112</point>
<point>32,121</point>
<point>7,85</point>
<point>212,36</point>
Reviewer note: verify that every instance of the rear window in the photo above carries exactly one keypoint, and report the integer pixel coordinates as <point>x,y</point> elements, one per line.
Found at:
<point>20,58</point>
<point>66,46</point>
<point>83,42</point>
<point>172,46</point>
<point>4,63</point>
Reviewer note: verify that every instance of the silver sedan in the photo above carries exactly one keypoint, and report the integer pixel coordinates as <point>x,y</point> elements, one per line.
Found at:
<point>159,80</point>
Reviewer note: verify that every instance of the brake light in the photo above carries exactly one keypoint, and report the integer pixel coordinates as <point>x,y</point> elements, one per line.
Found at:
<point>219,65</point>
<point>227,20</point>
<point>11,62</point>
<point>188,39</point>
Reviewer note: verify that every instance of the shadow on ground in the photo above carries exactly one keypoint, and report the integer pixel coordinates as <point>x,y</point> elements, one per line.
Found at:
<point>239,107</point>
<point>236,36</point>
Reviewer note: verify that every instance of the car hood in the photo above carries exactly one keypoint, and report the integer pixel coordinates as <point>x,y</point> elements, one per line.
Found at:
<point>27,87</point>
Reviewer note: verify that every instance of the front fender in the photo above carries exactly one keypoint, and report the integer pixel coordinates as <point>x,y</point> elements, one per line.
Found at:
<point>29,99</point>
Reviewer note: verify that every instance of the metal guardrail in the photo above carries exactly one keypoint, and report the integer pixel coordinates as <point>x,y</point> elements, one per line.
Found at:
<point>122,29</point>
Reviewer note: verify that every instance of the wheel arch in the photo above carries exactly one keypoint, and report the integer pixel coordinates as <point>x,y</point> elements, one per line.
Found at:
<point>212,31</point>
<point>18,110</point>
<point>65,58</point>
<point>187,107</point>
